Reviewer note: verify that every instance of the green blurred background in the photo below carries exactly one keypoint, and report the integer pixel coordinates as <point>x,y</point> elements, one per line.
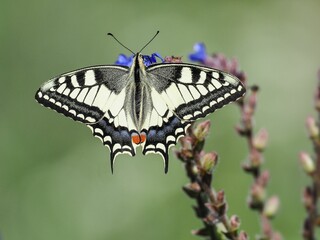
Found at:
<point>55,180</point>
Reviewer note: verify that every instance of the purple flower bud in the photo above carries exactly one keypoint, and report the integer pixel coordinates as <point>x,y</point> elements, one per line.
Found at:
<point>263,179</point>
<point>233,65</point>
<point>276,236</point>
<point>218,61</point>
<point>221,197</point>
<point>220,206</point>
<point>307,163</point>
<point>186,151</point>
<point>317,94</point>
<point>209,161</point>
<point>257,193</point>
<point>312,127</point>
<point>266,228</point>
<point>307,198</point>
<point>271,207</point>
<point>261,139</point>
<point>192,189</point>
<point>252,101</point>
<point>202,130</point>
<point>173,59</point>
<point>243,236</point>
<point>234,223</point>
<point>186,142</point>
<point>246,118</point>
<point>255,158</point>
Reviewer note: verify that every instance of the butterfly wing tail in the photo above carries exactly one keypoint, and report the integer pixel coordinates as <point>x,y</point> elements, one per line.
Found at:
<point>160,138</point>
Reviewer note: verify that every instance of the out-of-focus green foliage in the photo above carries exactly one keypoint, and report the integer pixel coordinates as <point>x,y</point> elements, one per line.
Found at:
<point>55,181</point>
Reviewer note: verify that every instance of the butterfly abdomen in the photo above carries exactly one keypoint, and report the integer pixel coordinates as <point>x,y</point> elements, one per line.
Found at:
<point>137,99</point>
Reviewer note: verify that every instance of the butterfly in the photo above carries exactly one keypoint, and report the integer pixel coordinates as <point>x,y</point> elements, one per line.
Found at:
<point>147,106</point>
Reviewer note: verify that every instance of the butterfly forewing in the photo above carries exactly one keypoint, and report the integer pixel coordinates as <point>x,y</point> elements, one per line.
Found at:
<point>84,94</point>
<point>193,91</point>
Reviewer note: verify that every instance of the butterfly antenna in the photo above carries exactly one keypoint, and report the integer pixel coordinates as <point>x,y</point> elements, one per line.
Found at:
<point>110,34</point>
<point>149,41</point>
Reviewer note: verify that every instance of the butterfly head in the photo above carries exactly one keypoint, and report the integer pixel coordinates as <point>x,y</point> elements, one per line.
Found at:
<point>137,58</point>
<point>139,62</point>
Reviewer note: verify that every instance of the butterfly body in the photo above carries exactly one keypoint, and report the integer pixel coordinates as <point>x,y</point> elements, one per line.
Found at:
<point>142,106</point>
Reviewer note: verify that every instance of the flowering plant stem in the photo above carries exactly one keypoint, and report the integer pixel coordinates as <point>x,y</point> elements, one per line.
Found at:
<point>266,208</point>
<point>311,166</point>
<point>211,206</point>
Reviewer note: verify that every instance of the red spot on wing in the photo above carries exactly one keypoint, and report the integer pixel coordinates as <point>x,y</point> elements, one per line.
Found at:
<point>135,138</point>
<point>138,139</point>
<point>143,137</point>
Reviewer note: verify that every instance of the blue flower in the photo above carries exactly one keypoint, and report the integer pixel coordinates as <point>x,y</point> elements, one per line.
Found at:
<point>199,54</point>
<point>123,60</point>
<point>149,60</point>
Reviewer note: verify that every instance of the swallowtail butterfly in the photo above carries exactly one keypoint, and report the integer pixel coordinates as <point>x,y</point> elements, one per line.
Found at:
<point>147,106</point>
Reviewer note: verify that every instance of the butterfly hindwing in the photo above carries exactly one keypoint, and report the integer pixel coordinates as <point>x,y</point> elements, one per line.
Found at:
<point>163,134</point>
<point>161,128</point>
<point>116,135</point>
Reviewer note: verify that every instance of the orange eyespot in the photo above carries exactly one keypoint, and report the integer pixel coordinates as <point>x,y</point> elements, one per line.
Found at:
<point>138,139</point>
<point>135,138</point>
<point>143,137</point>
